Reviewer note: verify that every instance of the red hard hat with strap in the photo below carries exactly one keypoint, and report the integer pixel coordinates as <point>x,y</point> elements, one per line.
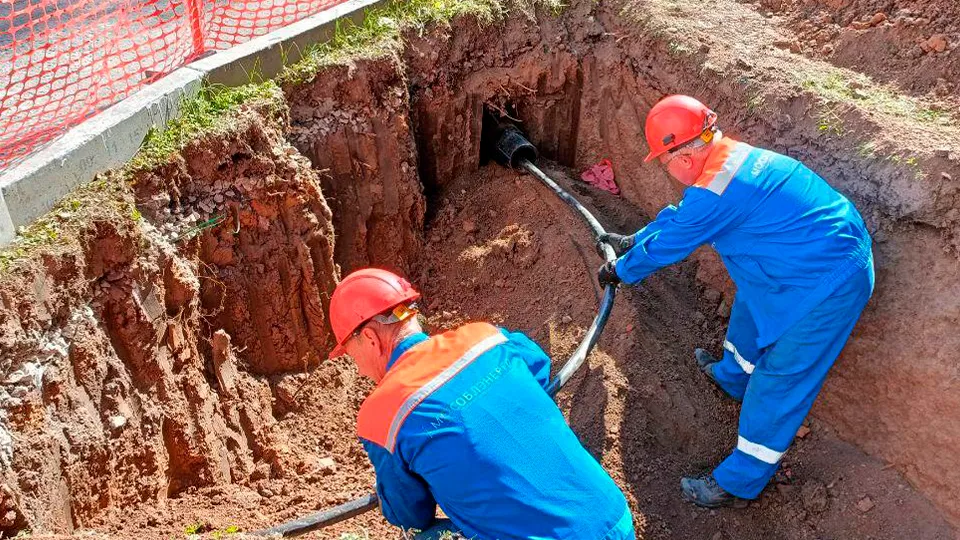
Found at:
<point>675,121</point>
<point>363,295</point>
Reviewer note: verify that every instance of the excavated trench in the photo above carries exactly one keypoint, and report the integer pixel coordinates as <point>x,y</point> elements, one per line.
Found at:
<point>158,382</point>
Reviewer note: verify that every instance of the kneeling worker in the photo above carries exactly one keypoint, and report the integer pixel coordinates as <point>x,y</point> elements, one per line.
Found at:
<point>800,256</point>
<point>462,420</point>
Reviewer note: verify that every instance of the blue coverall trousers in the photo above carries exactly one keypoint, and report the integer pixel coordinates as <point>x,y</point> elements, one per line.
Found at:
<point>779,383</point>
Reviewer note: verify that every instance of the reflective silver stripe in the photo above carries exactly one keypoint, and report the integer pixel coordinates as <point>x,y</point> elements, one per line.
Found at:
<point>759,451</point>
<point>746,366</point>
<point>444,376</point>
<point>729,168</point>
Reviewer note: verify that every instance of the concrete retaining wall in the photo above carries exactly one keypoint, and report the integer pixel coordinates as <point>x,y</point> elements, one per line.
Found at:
<point>110,139</point>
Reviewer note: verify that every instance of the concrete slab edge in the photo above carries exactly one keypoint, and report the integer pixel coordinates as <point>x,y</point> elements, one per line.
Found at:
<point>266,55</point>
<point>113,137</point>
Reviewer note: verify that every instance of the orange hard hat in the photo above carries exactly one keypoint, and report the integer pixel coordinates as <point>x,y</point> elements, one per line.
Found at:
<point>676,120</point>
<point>363,295</point>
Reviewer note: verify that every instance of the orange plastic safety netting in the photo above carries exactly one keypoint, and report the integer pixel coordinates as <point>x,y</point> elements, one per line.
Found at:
<point>62,61</point>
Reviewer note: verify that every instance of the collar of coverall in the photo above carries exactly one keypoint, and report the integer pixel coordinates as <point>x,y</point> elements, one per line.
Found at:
<point>404,346</point>
<point>721,150</point>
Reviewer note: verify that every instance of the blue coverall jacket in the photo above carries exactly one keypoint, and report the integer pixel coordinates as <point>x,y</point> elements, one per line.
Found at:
<point>800,256</point>
<point>462,420</point>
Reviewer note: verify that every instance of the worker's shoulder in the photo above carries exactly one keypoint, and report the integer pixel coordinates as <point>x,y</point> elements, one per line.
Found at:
<point>419,372</point>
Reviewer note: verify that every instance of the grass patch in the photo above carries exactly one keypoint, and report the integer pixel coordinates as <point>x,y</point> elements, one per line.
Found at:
<point>860,90</point>
<point>106,198</point>
<point>382,28</point>
<point>199,114</point>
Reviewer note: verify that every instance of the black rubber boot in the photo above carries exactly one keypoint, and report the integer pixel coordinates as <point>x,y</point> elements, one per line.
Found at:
<point>706,493</point>
<point>705,362</point>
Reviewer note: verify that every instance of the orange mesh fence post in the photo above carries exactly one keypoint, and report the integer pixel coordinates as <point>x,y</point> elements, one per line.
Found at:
<point>196,29</point>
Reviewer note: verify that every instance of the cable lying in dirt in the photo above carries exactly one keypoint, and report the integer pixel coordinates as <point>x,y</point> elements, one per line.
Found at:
<point>515,151</point>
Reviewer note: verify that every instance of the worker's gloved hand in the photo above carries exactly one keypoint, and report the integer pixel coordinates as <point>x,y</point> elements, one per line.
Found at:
<point>607,275</point>
<point>620,243</point>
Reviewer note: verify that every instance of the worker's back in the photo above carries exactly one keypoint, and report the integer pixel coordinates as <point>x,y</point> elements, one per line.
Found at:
<point>462,419</point>
<point>786,236</point>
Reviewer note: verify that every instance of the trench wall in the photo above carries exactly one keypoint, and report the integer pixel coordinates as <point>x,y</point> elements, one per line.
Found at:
<point>134,356</point>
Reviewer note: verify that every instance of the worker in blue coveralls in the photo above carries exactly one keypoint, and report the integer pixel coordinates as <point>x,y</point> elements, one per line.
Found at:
<point>462,420</point>
<point>800,256</point>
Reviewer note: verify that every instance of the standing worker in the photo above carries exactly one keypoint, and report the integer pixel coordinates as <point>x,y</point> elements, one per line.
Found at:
<point>462,420</point>
<point>799,254</point>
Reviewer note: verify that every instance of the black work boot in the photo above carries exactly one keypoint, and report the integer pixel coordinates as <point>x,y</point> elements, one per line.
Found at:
<point>706,493</point>
<point>706,361</point>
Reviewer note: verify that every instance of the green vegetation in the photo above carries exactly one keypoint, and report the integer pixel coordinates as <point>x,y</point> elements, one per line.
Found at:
<point>220,533</point>
<point>380,32</point>
<point>199,114</point>
<point>837,86</point>
<point>194,528</point>
<point>103,199</point>
<point>829,122</point>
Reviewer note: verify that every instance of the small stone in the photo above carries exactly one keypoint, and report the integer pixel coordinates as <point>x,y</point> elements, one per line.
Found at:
<point>566,319</point>
<point>117,422</point>
<point>936,43</point>
<point>803,432</point>
<point>717,535</point>
<point>878,18</point>
<point>711,295</point>
<point>9,519</point>
<point>260,471</point>
<point>218,198</point>
<point>865,504</point>
<point>446,315</point>
<point>826,50</point>
<point>327,466</point>
<point>470,226</point>
<point>723,310</point>
<point>946,176</point>
<point>629,328</point>
<point>265,492</point>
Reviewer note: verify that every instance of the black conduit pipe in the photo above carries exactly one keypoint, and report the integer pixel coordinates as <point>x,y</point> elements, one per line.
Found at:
<point>513,150</point>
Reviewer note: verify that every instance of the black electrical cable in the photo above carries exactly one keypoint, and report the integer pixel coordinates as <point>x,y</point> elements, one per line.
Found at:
<point>579,356</point>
